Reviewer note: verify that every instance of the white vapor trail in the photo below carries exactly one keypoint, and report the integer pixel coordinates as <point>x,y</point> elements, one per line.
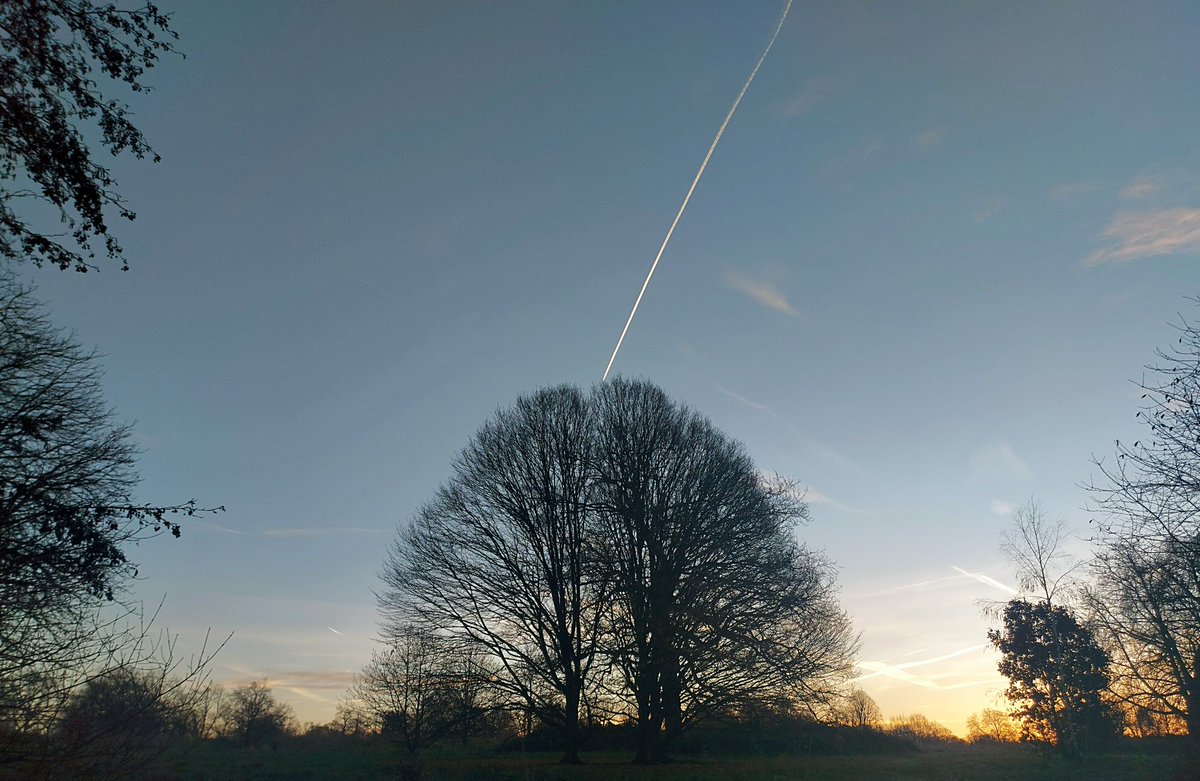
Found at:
<point>695,181</point>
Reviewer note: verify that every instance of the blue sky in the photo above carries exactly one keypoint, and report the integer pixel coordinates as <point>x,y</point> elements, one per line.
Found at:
<point>936,243</point>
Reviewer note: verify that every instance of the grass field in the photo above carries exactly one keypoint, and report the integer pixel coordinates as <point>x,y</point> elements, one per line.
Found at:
<point>219,762</point>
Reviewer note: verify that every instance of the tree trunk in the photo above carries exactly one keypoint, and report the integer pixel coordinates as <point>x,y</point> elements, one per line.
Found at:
<point>1191,699</point>
<point>672,713</point>
<point>571,727</point>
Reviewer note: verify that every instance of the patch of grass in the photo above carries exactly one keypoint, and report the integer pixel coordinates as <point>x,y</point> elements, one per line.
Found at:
<point>376,761</point>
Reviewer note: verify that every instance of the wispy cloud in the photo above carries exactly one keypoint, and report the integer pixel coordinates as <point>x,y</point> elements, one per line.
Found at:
<point>815,447</point>
<point>986,580</point>
<point>921,585</point>
<point>741,399</point>
<point>1142,188</point>
<point>762,292</point>
<point>1070,190</point>
<point>1150,234</point>
<point>210,526</point>
<point>901,672</point>
<point>319,532</point>
<point>813,92</point>
<point>988,210</point>
<point>999,461</point>
<point>868,149</point>
<point>368,283</point>
<point>813,496</point>
<point>283,533</point>
<point>1001,508</point>
<point>932,137</point>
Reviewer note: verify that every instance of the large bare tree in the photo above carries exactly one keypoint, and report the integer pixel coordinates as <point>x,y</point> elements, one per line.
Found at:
<point>714,602</point>
<point>624,528</point>
<point>1146,571</point>
<point>500,557</point>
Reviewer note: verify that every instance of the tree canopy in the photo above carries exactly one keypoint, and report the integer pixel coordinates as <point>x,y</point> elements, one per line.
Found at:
<point>54,56</point>
<point>614,552</point>
<point>1057,676</point>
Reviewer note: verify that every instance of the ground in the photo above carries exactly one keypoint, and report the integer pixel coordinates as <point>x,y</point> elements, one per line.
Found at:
<point>219,762</point>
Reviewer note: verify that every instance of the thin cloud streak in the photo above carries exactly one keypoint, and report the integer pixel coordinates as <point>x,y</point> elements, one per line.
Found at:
<point>986,580</point>
<point>931,137</point>
<point>819,449</point>
<point>1141,188</point>
<point>813,496</point>
<point>999,461</point>
<point>1001,508</point>
<point>813,92</point>
<point>740,398</point>
<point>922,584</point>
<point>761,292</point>
<point>692,189</point>
<point>900,671</point>
<point>319,532</point>
<point>1150,234</point>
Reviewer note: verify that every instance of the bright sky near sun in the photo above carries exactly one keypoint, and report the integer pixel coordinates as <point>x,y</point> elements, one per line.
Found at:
<point>936,243</point>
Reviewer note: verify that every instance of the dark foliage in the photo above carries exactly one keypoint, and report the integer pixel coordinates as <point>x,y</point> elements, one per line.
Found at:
<point>53,54</point>
<point>252,716</point>
<point>1057,676</point>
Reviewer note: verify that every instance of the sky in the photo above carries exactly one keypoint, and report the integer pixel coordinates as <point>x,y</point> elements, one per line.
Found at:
<point>935,247</point>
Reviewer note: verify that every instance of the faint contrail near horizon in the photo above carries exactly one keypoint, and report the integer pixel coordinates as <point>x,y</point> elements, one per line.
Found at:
<point>695,181</point>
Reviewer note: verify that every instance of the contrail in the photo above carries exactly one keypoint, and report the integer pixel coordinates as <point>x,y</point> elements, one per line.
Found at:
<point>688,197</point>
<point>984,579</point>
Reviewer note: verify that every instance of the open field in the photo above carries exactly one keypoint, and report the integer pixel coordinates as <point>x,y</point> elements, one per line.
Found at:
<point>217,762</point>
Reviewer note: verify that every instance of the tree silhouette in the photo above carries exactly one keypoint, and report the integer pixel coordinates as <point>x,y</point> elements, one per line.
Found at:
<point>500,557</point>
<point>859,710</point>
<point>1057,675</point>
<point>53,54</point>
<point>714,603</point>
<point>621,528</point>
<point>1146,571</point>
<point>252,715</point>
<point>66,519</point>
<point>420,688</point>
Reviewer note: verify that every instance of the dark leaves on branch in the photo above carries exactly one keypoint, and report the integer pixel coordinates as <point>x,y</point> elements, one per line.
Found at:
<point>49,52</point>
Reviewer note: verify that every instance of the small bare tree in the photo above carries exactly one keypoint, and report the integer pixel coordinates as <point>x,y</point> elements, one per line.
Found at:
<point>992,726</point>
<point>1035,546</point>
<point>859,710</point>
<point>404,689</point>
<point>252,715</point>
